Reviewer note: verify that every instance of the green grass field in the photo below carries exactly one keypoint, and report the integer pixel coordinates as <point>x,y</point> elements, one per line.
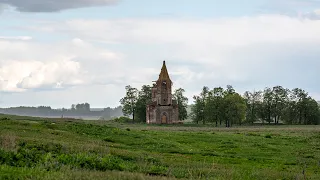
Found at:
<point>35,148</point>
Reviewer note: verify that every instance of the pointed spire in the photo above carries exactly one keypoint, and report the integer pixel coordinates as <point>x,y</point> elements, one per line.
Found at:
<point>164,75</point>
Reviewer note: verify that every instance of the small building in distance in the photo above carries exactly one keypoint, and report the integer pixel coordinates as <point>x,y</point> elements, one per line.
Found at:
<point>162,109</point>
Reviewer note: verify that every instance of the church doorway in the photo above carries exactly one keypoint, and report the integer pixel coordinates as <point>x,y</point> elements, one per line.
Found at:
<point>164,119</point>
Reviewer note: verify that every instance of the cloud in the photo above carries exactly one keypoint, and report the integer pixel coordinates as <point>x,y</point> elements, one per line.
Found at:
<point>53,74</point>
<point>21,38</point>
<point>287,5</point>
<point>54,6</point>
<point>248,53</point>
<point>35,66</point>
<point>18,76</point>
<point>208,41</point>
<point>186,32</point>
<point>293,8</point>
<point>313,15</point>
<point>299,3</point>
<point>2,7</point>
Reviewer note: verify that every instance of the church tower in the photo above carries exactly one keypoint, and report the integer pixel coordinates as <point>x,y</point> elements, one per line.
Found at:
<point>164,84</point>
<point>163,109</point>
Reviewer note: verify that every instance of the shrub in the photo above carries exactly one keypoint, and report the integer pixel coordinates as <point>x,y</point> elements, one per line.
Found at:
<point>108,139</point>
<point>252,134</point>
<point>122,119</point>
<point>4,118</point>
<point>268,136</point>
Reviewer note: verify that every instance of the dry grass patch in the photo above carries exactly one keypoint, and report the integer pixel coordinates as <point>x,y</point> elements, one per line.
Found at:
<point>8,141</point>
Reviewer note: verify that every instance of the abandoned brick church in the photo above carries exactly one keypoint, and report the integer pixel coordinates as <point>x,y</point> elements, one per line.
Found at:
<point>162,109</point>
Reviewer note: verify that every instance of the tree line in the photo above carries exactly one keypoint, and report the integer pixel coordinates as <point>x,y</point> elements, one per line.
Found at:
<point>135,102</point>
<point>224,106</point>
<point>80,109</point>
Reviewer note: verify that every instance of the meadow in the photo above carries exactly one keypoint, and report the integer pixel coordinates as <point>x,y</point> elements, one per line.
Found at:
<point>43,148</point>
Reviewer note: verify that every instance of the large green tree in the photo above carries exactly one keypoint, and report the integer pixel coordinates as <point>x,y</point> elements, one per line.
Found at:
<point>300,99</point>
<point>203,98</point>
<point>214,104</point>
<point>182,102</point>
<point>196,110</point>
<point>312,114</point>
<point>253,101</point>
<point>279,102</point>
<point>234,108</point>
<point>209,107</point>
<point>265,110</point>
<point>144,97</point>
<point>129,101</point>
<point>218,104</point>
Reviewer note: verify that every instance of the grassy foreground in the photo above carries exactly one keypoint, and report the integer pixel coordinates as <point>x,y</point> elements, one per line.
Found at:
<point>33,148</point>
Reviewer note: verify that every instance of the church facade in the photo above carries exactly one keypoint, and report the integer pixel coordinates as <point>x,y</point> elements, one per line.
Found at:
<point>162,109</point>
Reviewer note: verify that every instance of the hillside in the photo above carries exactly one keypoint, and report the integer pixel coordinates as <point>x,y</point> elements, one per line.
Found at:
<point>35,148</point>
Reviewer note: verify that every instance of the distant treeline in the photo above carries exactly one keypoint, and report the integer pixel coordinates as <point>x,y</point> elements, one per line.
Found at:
<point>277,105</point>
<point>76,110</point>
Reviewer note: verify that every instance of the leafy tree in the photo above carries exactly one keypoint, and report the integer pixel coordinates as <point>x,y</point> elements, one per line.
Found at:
<point>229,90</point>
<point>129,101</point>
<point>252,99</point>
<point>300,97</point>
<point>209,108</point>
<point>312,114</point>
<point>265,110</point>
<point>279,102</point>
<point>196,110</point>
<point>214,105</point>
<point>86,107</point>
<point>83,107</point>
<point>234,109</point>
<point>218,104</point>
<point>301,108</point>
<point>73,107</point>
<point>182,102</point>
<point>290,114</point>
<point>294,108</point>
<point>107,113</point>
<point>261,112</point>
<point>203,98</point>
<point>144,97</point>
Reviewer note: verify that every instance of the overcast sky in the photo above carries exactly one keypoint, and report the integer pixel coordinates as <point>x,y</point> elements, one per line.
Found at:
<point>74,51</point>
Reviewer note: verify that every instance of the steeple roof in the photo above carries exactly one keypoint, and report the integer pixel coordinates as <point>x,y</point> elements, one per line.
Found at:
<point>164,75</point>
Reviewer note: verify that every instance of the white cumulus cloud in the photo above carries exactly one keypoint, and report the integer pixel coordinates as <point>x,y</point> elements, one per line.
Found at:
<point>33,65</point>
<point>17,76</point>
